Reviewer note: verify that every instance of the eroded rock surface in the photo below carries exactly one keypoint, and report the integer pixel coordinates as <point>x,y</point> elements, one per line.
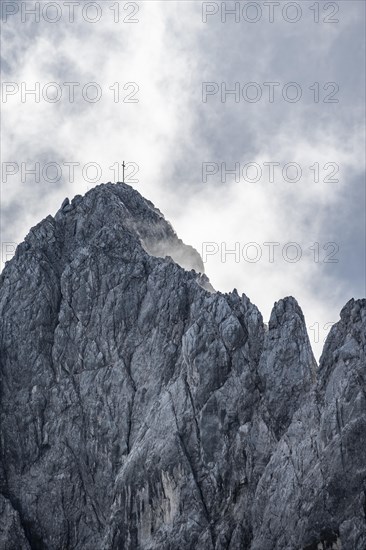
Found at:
<point>142,410</point>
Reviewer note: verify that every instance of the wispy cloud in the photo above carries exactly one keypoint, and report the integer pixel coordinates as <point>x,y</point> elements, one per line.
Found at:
<point>170,132</point>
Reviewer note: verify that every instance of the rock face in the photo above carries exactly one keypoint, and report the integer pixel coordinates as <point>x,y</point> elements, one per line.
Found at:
<point>142,410</point>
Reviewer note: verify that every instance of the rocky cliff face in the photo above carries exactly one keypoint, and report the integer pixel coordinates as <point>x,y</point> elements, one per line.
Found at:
<point>142,410</point>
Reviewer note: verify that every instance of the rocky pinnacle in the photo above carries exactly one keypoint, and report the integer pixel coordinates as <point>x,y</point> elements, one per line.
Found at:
<point>141,409</point>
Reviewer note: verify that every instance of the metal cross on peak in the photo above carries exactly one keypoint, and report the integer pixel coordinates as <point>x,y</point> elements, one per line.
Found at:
<point>123,171</point>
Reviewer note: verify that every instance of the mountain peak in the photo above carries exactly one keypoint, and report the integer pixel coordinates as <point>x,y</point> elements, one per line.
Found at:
<point>141,410</point>
<point>115,211</point>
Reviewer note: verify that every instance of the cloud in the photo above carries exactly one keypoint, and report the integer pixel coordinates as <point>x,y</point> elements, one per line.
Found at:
<point>170,132</point>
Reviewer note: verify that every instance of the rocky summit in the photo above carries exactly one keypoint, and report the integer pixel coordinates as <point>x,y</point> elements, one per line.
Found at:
<point>141,409</point>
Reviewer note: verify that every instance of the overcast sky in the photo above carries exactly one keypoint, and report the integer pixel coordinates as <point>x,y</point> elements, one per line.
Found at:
<point>168,64</point>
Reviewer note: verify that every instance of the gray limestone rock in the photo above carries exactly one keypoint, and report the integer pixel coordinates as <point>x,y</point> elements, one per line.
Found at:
<point>140,409</point>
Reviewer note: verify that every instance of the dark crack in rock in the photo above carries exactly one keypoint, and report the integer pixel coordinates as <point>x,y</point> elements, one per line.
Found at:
<point>140,409</point>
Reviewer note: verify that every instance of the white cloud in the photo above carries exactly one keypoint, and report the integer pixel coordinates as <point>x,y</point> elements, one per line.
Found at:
<point>170,132</point>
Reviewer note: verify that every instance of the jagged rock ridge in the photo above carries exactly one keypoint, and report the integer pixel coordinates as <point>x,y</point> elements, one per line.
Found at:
<point>140,409</point>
